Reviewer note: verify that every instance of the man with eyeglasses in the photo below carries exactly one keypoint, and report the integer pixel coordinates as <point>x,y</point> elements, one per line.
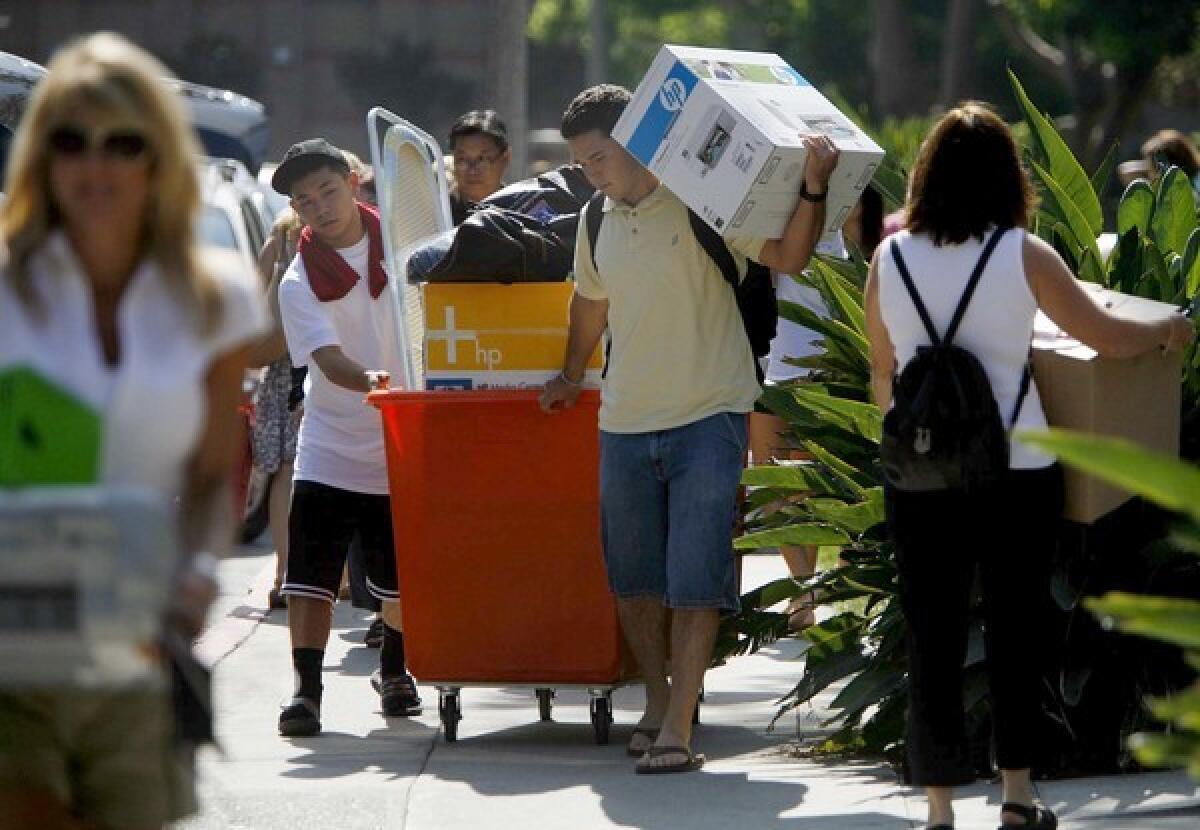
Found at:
<point>479,144</point>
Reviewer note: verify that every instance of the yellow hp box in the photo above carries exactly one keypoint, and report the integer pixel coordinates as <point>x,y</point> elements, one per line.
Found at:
<point>490,336</point>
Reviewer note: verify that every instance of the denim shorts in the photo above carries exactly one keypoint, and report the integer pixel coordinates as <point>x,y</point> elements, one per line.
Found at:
<point>668,505</point>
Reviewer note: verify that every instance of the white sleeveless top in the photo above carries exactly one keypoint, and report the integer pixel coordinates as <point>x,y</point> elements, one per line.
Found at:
<point>997,327</point>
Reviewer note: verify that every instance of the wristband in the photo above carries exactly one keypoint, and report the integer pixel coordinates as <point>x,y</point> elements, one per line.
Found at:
<point>573,383</point>
<point>812,197</point>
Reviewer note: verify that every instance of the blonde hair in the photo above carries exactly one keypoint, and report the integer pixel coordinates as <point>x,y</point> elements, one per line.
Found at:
<point>106,74</point>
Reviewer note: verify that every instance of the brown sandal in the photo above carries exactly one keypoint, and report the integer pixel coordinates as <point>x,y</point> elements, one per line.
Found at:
<point>644,767</point>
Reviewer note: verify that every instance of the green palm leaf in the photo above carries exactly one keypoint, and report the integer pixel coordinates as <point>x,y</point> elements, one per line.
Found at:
<point>860,418</point>
<point>1174,212</point>
<point>796,534</point>
<point>1063,168</point>
<point>1136,208</point>
<point>1077,228</point>
<point>1169,619</point>
<point>1163,480</point>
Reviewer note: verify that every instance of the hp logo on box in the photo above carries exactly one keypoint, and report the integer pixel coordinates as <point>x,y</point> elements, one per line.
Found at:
<point>673,94</point>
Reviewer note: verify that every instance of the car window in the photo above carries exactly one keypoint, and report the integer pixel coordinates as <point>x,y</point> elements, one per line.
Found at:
<point>254,227</point>
<point>215,229</point>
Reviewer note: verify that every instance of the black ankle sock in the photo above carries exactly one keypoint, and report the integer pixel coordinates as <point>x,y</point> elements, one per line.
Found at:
<point>391,656</point>
<point>307,663</point>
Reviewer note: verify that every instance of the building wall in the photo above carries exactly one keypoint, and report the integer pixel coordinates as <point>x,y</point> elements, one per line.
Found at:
<point>290,54</point>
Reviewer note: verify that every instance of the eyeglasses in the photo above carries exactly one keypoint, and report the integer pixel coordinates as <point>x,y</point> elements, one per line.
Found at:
<point>120,144</point>
<point>480,162</point>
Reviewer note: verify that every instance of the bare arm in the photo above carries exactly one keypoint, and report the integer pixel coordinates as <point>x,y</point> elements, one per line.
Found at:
<point>790,255</point>
<point>273,345</point>
<point>342,371</point>
<point>1069,306</point>
<point>588,320</point>
<point>883,353</point>
<point>205,513</point>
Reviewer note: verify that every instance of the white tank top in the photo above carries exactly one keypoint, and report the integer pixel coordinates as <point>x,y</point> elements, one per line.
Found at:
<point>997,327</point>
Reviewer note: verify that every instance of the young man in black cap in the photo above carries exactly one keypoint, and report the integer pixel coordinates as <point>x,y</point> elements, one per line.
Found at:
<point>340,322</point>
<point>479,144</point>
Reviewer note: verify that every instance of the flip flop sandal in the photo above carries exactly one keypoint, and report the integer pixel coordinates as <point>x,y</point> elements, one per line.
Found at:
<point>649,734</point>
<point>1036,818</point>
<point>644,767</point>
<point>300,719</point>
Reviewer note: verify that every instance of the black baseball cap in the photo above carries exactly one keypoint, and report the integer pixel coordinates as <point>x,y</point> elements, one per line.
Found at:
<point>304,157</point>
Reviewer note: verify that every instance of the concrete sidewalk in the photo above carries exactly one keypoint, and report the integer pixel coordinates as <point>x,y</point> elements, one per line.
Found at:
<point>509,770</point>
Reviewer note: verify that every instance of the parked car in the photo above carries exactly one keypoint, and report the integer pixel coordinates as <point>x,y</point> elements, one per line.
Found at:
<point>234,212</point>
<point>17,79</point>
<point>276,202</point>
<point>229,125</point>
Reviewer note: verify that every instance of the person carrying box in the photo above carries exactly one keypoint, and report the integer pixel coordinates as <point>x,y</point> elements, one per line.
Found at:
<point>337,317</point>
<point>679,382</point>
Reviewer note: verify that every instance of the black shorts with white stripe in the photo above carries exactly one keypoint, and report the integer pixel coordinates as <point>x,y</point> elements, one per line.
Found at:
<point>321,524</point>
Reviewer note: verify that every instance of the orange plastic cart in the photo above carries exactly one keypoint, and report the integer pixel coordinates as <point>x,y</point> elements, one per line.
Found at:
<point>496,516</point>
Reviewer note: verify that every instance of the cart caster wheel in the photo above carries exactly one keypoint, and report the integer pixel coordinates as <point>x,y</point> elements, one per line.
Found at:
<point>601,717</point>
<point>450,711</point>
<point>545,700</point>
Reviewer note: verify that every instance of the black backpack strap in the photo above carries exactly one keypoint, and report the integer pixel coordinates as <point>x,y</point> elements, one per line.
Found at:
<point>922,312</point>
<point>715,247</point>
<point>969,291</point>
<point>1026,377</point>
<point>593,215</point>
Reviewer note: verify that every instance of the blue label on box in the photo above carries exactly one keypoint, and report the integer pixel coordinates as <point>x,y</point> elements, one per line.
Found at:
<point>660,116</point>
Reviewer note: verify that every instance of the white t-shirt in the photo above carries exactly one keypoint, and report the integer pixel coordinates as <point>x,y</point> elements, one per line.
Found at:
<point>341,437</point>
<point>793,340</point>
<point>153,402</point>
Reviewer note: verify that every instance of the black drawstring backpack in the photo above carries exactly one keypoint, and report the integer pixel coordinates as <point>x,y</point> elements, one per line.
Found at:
<point>944,430</point>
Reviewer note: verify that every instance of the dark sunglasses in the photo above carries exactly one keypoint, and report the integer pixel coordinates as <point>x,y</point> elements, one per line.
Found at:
<point>122,144</point>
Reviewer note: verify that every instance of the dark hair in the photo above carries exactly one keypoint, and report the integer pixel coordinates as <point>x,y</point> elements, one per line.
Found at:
<point>596,108</point>
<point>1172,147</point>
<point>480,122</point>
<point>968,177</point>
<point>870,220</point>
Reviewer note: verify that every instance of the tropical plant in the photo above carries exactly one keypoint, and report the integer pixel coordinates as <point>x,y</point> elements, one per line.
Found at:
<point>1157,254</point>
<point>1174,485</point>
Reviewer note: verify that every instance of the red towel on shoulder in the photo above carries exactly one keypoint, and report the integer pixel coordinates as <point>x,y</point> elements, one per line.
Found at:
<point>329,275</point>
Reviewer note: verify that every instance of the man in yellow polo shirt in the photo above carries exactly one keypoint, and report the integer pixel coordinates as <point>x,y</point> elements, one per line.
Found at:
<point>679,384</point>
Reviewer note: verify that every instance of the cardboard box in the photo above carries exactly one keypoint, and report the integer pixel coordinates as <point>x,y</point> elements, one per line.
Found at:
<point>723,130</point>
<point>492,336</point>
<point>1138,399</point>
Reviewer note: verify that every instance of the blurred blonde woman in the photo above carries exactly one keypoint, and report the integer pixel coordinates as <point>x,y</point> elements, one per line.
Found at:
<point>105,293</point>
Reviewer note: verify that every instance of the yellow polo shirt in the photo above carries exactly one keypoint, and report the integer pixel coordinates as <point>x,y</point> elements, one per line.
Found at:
<point>679,348</point>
